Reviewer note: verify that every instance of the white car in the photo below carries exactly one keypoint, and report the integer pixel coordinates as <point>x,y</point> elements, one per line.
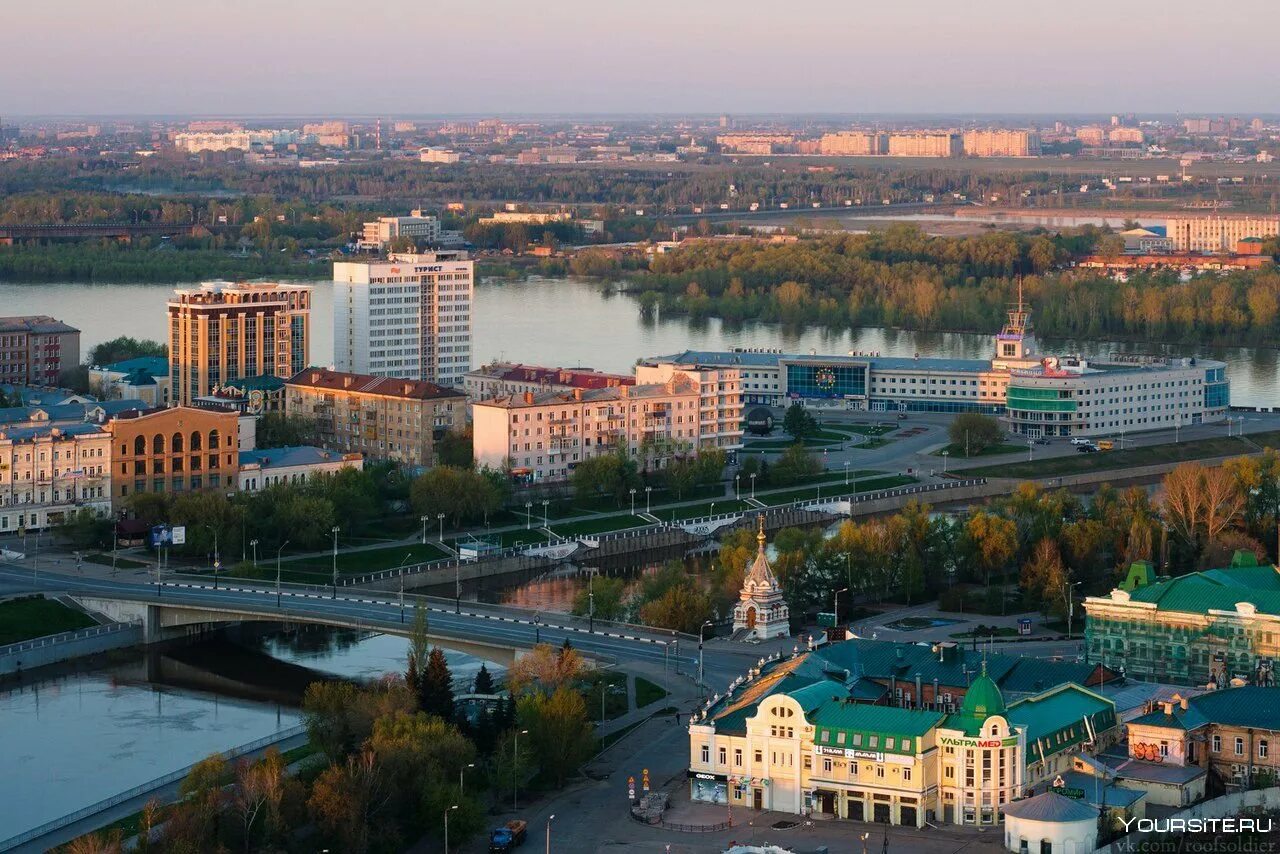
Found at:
<point>1080,440</point>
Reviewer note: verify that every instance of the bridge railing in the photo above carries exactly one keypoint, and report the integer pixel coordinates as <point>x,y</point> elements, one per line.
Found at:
<point>150,786</point>
<point>64,637</point>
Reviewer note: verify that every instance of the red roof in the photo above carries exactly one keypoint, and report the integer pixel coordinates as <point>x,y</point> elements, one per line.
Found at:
<point>322,378</point>
<point>574,378</point>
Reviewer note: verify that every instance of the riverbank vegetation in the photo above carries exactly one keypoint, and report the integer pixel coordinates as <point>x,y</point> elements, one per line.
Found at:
<point>109,262</point>
<point>35,616</point>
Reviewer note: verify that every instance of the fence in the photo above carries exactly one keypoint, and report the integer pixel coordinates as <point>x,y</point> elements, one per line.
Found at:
<point>150,786</point>
<point>51,649</point>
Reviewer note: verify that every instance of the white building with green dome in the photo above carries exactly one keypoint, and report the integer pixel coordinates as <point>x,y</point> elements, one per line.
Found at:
<point>982,757</point>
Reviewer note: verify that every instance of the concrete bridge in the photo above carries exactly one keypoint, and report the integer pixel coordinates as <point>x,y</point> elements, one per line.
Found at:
<point>123,231</point>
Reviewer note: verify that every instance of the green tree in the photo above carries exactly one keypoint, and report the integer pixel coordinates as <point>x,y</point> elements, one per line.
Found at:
<point>971,433</point>
<point>462,495</point>
<point>278,430</point>
<point>798,423</point>
<point>609,598</point>
<point>455,449</point>
<point>484,680</point>
<point>435,694</point>
<point>124,347</point>
<point>559,731</point>
<point>610,474</point>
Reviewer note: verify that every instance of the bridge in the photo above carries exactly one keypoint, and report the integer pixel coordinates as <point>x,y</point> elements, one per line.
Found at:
<point>123,231</point>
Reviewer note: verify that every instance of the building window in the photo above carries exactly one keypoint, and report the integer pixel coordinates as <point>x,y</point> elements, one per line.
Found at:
<point>1239,746</point>
<point>706,754</point>
<point>1262,749</point>
<point>724,753</point>
<point>1217,744</point>
<point>737,756</point>
<point>906,774</point>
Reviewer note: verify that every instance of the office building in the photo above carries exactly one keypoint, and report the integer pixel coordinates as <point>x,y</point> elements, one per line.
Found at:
<point>1214,626</point>
<point>853,143</point>
<point>812,734</point>
<point>263,468</point>
<point>408,316</point>
<point>36,349</point>
<point>379,417</point>
<point>54,462</point>
<point>924,144</point>
<point>438,155</point>
<point>221,332</point>
<point>500,379</point>
<point>1001,143</point>
<point>174,450</point>
<point>379,234</point>
<point>1218,233</point>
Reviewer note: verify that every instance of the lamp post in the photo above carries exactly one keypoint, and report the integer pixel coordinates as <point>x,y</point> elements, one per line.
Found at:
<point>254,544</point>
<point>544,513</point>
<point>423,519</point>
<point>713,508</point>
<point>550,819</point>
<point>446,826</point>
<point>633,501</point>
<point>334,531</point>
<point>700,630</point>
<point>1030,448</point>
<point>945,454</point>
<point>440,519</point>
<point>461,772</point>
<point>753,487</point>
<point>591,602</point>
<point>846,472</point>
<point>647,490</point>
<point>528,515</point>
<point>736,478</point>
<point>278,551</point>
<point>515,768</point>
<point>835,606</point>
<point>1071,605</point>
<point>217,557</point>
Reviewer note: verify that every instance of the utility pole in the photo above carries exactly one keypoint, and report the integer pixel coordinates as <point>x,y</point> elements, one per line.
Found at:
<point>334,531</point>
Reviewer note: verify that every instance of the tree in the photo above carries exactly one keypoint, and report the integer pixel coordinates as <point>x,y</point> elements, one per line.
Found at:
<point>993,540</point>
<point>545,668</point>
<point>1044,578</point>
<point>258,789</point>
<point>973,432</point>
<point>608,596</point>
<point>346,800</point>
<point>279,430</point>
<point>794,464</point>
<point>483,683</point>
<point>455,449</point>
<point>124,347</point>
<point>84,529</point>
<point>463,495</point>
<point>559,730</point>
<point>682,608</point>
<point>435,694</point>
<point>612,474</point>
<point>798,422</point>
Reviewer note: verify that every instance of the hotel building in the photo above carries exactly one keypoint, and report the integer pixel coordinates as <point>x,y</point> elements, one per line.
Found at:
<point>1217,233</point>
<point>174,450</point>
<point>35,349</point>
<point>408,316</point>
<point>379,417</point>
<point>814,734</point>
<point>225,331</point>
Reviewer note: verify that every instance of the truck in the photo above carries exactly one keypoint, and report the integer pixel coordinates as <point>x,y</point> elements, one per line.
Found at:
<point>508,837</point>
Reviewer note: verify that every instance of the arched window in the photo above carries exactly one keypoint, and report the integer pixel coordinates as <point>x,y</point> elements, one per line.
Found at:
<point>213,439</point>
<point>140,445</point>
<point>176,443</point>
<point>157,444</point>
<point>994,729</point>
<point>196,443</point>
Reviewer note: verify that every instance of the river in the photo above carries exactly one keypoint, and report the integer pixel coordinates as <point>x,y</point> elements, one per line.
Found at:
<point>568,322</point>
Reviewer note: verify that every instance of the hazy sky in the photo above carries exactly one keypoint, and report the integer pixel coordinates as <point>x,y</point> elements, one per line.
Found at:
<point>490,56</point>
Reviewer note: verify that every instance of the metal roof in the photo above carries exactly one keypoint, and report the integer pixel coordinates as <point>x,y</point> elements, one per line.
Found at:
<point>1050,806</point>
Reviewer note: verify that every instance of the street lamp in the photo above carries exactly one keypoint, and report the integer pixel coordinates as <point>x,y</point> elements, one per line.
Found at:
<point>334,531</point>
<point>217,558</point>
<point>1071,604</point>
<point>528,515</point>
<point>753,486</point>
<point>736,478</point>
<point>647,490</point>
<point>515,768</point>
<point>440,519</point>
<point>254,543</point>
<point>550,819</point>
<point>700,630</point>
<point>835,606</point>
<point>633,501</point>
<point>945,454</point>
<point>591,602</point>
<point>846,472</point>
<point>1030,448</point>
<point>462,771</point>
<point>713,508</point>
<point>544,513</point>
<point>423,519</point>
<point>446,826</point>
<point>278,551</point>
<point>408,557</point>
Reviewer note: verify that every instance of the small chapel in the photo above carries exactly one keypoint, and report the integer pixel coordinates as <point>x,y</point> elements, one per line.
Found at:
<point>761,612</point>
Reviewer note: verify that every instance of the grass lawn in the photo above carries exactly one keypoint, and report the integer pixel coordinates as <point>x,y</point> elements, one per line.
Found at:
<point>647,692</point>
<point>783,444</point>
<point>956,452</point>
<point>356,563</point>
<point>614,687</point>
<point>121,562</point>
<point>997,631</point>
<point>599,525</point>
<point>887,482</point>
<point>694,511</point>
<point>24,619</point>
<point>1107,460</point>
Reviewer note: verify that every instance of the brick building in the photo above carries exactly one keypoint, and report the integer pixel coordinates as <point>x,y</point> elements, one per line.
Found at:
<point>35,349</point>
<point>175,451</point>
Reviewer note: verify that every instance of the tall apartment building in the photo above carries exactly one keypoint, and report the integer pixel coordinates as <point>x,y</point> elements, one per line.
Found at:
<point>408,316</point>
<point>852,143</point>
<point>1217,233</point>
<point>719,398</point>
<point>1126,136</point>
<point>174,450</point>
<point>224,331</point>
<point>1001,143</point>
<point>35,349</point>
<point>1092,135</point>
<point>383,418</point>
<point>379,233</point>
<point>924,144</point>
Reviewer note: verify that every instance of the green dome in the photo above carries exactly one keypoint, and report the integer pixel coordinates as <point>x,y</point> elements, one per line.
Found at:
<point>983,699</point>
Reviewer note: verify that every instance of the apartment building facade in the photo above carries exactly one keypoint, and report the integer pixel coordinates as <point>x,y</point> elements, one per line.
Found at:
<point>852,143</point>
<point>220,332</point>
<point>409,316</point>
<point>173,450</point>
<point>377,235</point>
<point>382,418</point>
<point>719,399</point>
<point>1217,233</point>
<point>924,144</point>
<point>51,469</point>
<point>35,349</point>
<point>1001,143</point>
<point>500,379</point>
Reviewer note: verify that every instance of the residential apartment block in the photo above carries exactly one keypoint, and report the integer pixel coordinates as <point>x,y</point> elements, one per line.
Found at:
<point>377,235</point>
<point>924,144</point>
<point>35,349</point>
<point>1001,143</point>
<point>174,450</point>
<point>500,379</point>
<point>408,316</point>
<point>380,417</point>
<point>225,331</point>
<point>54,462</point>
<point>1217,233</point>
<point>851,143</point>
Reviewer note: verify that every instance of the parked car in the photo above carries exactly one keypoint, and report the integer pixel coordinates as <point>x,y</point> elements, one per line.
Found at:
<point>1087,449</point>
<point>1042,441</point>
<point>1078,440</point>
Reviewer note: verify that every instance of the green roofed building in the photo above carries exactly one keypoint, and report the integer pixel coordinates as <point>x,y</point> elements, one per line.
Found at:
<point>1206,627</point>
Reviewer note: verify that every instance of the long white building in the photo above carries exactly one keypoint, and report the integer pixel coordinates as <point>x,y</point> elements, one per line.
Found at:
<point>408,316</point>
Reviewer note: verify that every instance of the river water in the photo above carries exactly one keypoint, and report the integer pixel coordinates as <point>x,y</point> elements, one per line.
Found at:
<point>568,322</point>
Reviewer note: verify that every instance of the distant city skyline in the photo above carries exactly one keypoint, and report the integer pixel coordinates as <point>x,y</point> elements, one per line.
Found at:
<point>575,57</point>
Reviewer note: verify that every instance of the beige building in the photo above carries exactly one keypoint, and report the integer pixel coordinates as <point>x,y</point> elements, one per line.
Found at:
<point>500,379</point>
<point>379,233</point>
<point>719,399</point>
<point>1217,233</point>
<point>852,143</point>
<point>1092,136</point>
<point>51,470</point>
<point>1126,136</point>
<point>524,217</point>
<point>438,155</point>
<point>174,450</point>
<point>225,331</point>
<point>924,144</point>
<point>1001,143</point>
<point>382,418</point>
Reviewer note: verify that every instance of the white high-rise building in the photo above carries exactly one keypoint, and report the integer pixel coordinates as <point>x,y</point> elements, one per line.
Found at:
<point>408,316</point>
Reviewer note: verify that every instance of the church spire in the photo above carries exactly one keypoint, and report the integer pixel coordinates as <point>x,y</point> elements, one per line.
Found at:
<point>760,534</point>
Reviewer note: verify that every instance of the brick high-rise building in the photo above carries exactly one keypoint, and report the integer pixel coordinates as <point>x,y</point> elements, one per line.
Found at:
<point>1001,143</point>
<point>224,331</point>
<point>35,349</point>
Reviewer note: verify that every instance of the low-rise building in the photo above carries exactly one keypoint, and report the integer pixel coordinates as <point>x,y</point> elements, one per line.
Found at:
<point>500,379</point>
<point>173,450</point>
<point>380,233</point>
<point>383,418</point>
<point>36,349</point>
<point>144,378</point>
<point>438,155</point>
<point>266,467</point>
<point>54,462</point>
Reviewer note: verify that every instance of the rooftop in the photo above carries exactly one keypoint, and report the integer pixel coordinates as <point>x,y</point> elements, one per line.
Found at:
<point>1050,806</point>
<point>584,378</point>
<point>38,323</point>
<point>285,457</point>
<point>156,366</point>
<point>679,385</point>
<point>325,379</point>
<point>1246,581</point>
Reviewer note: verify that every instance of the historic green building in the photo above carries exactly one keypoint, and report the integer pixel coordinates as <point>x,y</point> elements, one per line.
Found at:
<point>1211,626</point>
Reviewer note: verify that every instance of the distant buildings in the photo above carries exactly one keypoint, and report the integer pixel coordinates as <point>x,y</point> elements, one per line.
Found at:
<point>1092,136</point>
<point>853,143</point>
<point>380,417</point>
<point>524,218</point>
<point>1001,143</point>
<point>175,451</point>
<point>266,467</point>
<point>408,316</point>
<point>500,379</point>
<point>224,331</point>
<point>235,140</point>
<point>380,233</point>
<point>438,155</point>
<point>1126,136</point>
<point>331,134</point>
<point>753,143</point>
<point>925,144</point>
<point>36,349</point>
<point>1218,233</point>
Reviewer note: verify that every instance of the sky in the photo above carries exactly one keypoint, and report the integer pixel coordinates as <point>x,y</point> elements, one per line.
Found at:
<point>425,57</point>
